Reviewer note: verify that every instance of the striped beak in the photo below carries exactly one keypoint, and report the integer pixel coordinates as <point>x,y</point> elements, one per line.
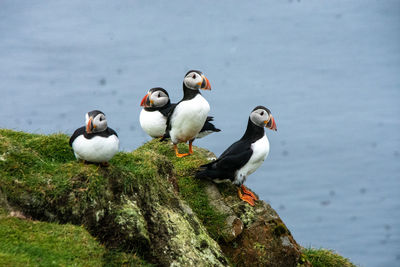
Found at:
<point>145,101</point>
<point>271,123</point>
<point>89,125</point>
<point>205,85</point>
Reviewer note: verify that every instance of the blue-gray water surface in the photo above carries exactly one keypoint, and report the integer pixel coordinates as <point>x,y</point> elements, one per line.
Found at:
<point>328,70</point>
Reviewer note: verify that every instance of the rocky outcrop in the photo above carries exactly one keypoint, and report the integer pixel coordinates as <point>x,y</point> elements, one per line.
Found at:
<point>254,236</point>
<point>146,202</point>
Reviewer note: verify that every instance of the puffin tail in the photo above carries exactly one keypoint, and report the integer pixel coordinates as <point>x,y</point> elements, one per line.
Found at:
<point>210,118</point>
<point>209,128</point>
<point>207,172</point>
<point>202,174</point>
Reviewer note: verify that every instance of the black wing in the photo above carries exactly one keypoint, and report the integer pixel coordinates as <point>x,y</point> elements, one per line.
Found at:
<point>111,132</point>
<point>237,148</point>
<point>82,130</point>
<point>170,112</point>
<point>77,133</point>
<point>233,158</point>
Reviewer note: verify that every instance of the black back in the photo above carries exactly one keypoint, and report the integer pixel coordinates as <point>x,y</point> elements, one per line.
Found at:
<point>82,130</point>
<point>234,157</point>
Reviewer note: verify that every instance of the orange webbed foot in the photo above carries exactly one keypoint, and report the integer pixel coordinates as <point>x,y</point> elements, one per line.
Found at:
<point>248,192</point>
<point>246,198</point>
<point>182,155</point>
<point>179,155</point>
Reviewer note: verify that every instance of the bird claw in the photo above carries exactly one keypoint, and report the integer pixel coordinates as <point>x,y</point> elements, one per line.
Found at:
<point>246,197</point>
<point>179,155</point>
<point>248,192</point>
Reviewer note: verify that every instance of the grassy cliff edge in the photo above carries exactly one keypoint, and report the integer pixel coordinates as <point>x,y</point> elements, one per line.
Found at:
<point>144,209</point>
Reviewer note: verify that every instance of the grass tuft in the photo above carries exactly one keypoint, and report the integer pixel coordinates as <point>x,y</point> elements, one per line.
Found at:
<point>326,258</point>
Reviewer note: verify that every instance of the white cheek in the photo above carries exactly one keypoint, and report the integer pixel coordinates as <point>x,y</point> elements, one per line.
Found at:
<point>188,83</point>
<point>191,83</point>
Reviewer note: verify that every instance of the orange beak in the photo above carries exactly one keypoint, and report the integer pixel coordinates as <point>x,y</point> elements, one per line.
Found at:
<point>271,124</point>
<point>144,101</point>
<point>205,85</point>
<point>89,125</point>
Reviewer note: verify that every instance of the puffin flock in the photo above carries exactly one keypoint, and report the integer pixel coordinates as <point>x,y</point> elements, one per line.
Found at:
<point>181,123</point>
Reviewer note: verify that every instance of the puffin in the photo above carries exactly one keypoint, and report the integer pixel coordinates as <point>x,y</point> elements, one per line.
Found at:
<point>95,142</point>
<point>244,156</point>
<point>187,117</point>
<point>156,107</point>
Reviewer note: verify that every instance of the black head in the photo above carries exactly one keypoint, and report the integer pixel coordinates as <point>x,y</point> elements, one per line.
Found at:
<point>94,113</point>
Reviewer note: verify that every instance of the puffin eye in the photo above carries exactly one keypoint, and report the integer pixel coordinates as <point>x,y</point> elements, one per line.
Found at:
<point>262,113</point>
<point>159,94</point>
<point>194,76</point>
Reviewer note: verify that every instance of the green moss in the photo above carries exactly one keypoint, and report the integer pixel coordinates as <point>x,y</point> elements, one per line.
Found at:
<point>118,258</point>
<point>40,176</point>
<point>193,191</point>
<point>325,258</point>
<point>190,189</point>
<point>25,242</point>
<point>34,243</point>
<point>39,165</point>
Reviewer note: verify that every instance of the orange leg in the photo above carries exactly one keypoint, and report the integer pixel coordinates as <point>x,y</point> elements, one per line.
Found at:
<point>179,155</point>
<point>248,192</point>
<point>246,198</point>
<point>190,147</point>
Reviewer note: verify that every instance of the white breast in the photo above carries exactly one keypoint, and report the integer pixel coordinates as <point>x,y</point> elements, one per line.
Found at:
<point>260,152</point>
<point>153,123</point>
<point>188,119</point>
<point>97,149</point>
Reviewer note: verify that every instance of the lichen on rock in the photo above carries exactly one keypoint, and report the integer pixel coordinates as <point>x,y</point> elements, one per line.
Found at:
<point>147,203</point>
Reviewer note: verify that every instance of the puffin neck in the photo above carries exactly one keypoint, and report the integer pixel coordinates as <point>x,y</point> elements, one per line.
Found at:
<point>157,108</point>
<point>253,132</point>
<point>105,133</point>
<point>189,93</point>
